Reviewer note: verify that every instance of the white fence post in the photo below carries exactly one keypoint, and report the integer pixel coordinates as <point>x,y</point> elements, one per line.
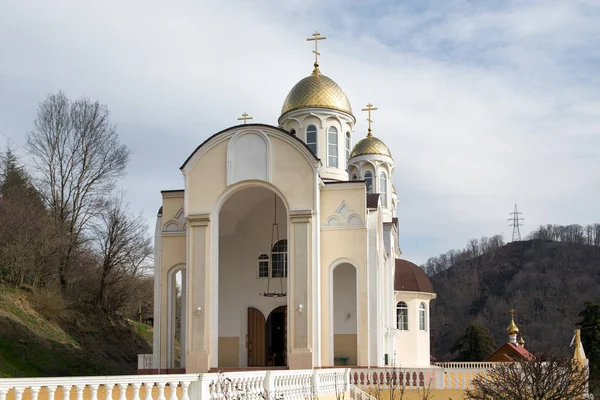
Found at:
<point>200,390</point>
<point>439,378</point>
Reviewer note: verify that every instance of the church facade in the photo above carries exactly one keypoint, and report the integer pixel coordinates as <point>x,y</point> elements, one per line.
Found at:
<point>282,248</point>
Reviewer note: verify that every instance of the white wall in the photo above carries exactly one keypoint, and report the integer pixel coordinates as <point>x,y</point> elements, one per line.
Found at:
<point>413,345</point>
<point>344,299</point>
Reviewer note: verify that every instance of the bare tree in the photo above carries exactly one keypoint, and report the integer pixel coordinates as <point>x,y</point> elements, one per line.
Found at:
<point>543,378</point>
<point>123,245</point>
<point>78,157</point>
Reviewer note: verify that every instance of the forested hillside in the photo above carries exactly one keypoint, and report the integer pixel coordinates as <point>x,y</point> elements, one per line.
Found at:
<point>545,281</point>
<point>75,261</point>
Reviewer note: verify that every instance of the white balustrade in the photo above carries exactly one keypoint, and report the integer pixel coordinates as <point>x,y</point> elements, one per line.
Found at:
<point>357,393</point>
<point>251,385</point>
<point>384,378</point>
<point>78,385</point>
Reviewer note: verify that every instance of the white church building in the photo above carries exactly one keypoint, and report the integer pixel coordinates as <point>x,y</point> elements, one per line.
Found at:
<point>282,248</point>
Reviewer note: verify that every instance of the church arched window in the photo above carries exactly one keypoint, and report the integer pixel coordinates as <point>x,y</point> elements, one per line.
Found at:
<point>332,147</point>
<point>402,316</point>
<point>311,138</point>
<point>279,259</point>
<point>293,132</point>
<point>383,188</point>
<point>348,143</point>
<point>354,177</point>
<point>369,181</point>
<point>263,266</point>
<point>423,317</point>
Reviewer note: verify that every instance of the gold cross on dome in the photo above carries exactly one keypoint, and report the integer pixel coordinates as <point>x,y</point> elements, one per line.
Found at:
<point>369,109</point>
<point>244,118</point>
<point>316,37</point>
<point>512,312</point>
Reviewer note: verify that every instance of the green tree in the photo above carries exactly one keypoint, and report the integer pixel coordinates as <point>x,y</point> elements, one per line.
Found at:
<point>590,335</point>
<point>27,241</point>
<point>476,344</point>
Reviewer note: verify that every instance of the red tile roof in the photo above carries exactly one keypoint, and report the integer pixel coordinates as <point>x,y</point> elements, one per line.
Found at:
<point>372,200</point>
<point>511,352</point>
<point>410,278</point>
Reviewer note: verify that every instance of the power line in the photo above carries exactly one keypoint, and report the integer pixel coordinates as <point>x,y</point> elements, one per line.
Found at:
<point>10,139</point>
<point>516,224</point>
<point>24,156</point>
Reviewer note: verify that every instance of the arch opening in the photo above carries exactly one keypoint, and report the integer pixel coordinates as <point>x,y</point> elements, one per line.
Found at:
<point>177,318</point>
<point>345,315</point>
<point>252,254</point>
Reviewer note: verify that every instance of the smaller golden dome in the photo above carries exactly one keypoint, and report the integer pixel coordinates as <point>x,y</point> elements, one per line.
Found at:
<point>318,91</point>
<point>370,145</point>
<point>512,328</point>
<point>521,341</point>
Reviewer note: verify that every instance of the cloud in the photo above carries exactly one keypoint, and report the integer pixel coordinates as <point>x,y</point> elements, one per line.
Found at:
<point>483,104</point>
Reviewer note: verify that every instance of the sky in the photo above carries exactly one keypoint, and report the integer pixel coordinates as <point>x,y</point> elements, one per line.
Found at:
<point>483,104</point>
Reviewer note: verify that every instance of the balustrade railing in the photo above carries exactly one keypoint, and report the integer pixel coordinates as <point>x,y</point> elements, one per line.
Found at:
<point>251,385</point>
<point>384,378</point>
<point>135,387</point>
<point>465,365</point>
<point>357,393</point>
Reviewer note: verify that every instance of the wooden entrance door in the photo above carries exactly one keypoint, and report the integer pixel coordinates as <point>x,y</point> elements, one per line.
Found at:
<point>256,341</point>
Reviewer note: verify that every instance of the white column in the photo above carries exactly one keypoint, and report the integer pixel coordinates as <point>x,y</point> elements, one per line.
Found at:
<point>199,309</point>
<point>300,286</point>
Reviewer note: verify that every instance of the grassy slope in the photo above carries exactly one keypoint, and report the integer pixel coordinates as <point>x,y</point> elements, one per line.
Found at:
<point>80,342</point>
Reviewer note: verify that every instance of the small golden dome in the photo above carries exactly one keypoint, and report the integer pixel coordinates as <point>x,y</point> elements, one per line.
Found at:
<point>521,341</point>
<point>316,90</point>
<point>512,328</point>
<point>370,145</point>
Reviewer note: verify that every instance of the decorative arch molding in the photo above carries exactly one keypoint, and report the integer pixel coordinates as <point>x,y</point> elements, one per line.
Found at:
<point>248,156</point>
<point>172,226</point>
<point>264,129</point>
<point>321,113</point>
<point>239,186</point>
<point>354,220</point>
<point>337,118</point>
<point>331,269</point>
<point>343,217</point>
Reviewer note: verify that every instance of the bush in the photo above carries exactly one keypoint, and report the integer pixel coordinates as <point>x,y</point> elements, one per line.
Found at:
<point>49,302</point>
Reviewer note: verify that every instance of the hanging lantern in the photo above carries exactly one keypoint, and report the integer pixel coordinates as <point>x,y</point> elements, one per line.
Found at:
<point>279,249</point>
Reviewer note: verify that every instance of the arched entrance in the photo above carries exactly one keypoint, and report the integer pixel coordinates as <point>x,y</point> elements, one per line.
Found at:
<point>344,326</point>
<point>253,232</point>
<point>277,337</point>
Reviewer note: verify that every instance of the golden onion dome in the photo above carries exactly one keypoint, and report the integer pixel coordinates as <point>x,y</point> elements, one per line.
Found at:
<point>316,90</point>
<point>512,328</point>
<point>370,145</point>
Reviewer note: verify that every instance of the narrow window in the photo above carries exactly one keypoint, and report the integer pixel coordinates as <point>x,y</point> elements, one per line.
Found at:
<point>311,138</point>
<point>383,188</point>
<point>263,266</point>
<point>422,317</point>
<point>279,259</point>
<point>348,143</point>
<point>354,177</point>
<point>402,316</point>
<point>332,147</point>
<point>293,132</point>
<point>369,181</point>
